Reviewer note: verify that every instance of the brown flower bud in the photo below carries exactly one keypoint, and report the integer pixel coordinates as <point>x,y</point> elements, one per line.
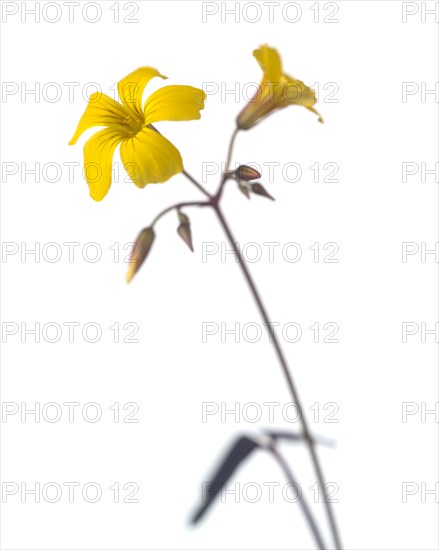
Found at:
<point>246,173</point>
<point>258,189</point>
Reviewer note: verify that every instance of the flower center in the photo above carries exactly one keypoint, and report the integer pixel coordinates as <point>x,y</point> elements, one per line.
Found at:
<point>134,123</point>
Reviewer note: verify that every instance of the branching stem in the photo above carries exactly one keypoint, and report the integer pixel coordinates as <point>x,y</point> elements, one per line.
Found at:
<point>214,203</point>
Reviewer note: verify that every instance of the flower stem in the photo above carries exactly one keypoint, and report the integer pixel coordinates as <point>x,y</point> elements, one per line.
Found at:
<point>302,501</point>
<point>177,206</point>
<point>197,185</point>
<point>230,150</point>
<point>306,433</point>
<point>189,177</point>
<point>227,166</point>
<point>289,379</point>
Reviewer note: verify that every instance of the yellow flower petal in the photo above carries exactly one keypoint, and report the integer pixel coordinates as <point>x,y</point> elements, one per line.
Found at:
<point>174,103</point>
<point>270,62</point>
<point>98,159</point>
<point>295,92</point>
<point>132,86</point>
<point>148,157</point>
<point>320,119</point>
<point>101,111</point>
<point>298,93</point>
<point>276,91</point>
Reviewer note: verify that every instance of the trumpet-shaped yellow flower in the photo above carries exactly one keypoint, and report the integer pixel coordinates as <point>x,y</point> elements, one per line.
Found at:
<point>147,156</point>
<point>276,91</point>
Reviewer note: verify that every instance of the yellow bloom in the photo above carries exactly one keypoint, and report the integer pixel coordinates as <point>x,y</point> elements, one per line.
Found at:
<point>147,156</point>
<point>276,91</point>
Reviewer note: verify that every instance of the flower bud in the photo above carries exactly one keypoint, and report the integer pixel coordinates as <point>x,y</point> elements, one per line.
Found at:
<point>184,230</point>
<point>246,173</point>
<point>258,189</point>
<point>140,251</point>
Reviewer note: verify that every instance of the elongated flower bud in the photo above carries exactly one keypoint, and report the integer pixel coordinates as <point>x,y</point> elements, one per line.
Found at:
<point>258,189</point>
<point>184,230</point>
<point>140,251</point>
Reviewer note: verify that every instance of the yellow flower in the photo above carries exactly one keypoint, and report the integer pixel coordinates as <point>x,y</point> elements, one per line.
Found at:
<point>147,156</point>
<point>276,91</point>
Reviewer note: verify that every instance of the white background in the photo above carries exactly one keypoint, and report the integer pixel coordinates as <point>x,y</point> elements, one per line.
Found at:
<point>369,132</point>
